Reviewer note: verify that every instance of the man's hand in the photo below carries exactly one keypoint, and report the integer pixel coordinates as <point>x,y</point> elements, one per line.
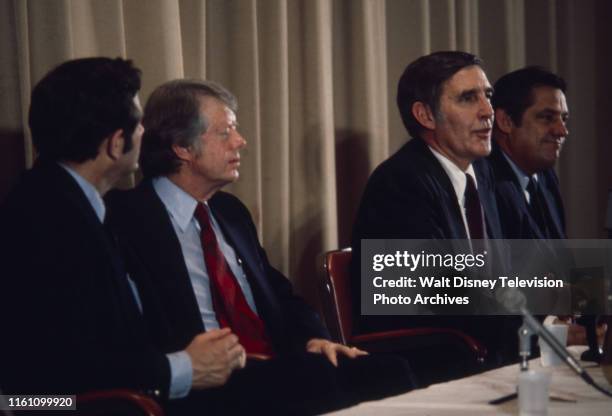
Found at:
<point>332,349</point>
<point>576,334</point>
<point>214,355</point>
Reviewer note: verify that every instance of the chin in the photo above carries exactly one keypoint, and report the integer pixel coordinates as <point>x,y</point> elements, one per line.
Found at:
<point>483,151</point>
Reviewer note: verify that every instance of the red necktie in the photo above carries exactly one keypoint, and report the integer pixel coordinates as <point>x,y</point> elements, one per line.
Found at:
<point>230,305</point>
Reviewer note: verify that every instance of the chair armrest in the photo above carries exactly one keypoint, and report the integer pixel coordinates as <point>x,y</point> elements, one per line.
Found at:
<point>258,357</point>
<point>400,338</point>
<point>118,401</point>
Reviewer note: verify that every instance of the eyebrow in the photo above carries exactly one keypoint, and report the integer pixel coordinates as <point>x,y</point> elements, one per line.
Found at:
<point>549,110</point>
<point>474,91</point>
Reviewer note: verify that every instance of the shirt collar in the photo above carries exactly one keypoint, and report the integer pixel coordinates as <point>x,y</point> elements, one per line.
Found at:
<point>522,177</point>
<point>179,203</point>
<point>456,175</point>
<point>90,191</point>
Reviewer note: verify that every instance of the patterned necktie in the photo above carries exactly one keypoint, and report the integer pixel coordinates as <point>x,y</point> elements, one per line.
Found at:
<point>473,210</point>
<point>229,303</point>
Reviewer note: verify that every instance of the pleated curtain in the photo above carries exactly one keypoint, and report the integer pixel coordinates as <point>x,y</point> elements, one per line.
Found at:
<point>316,82</point>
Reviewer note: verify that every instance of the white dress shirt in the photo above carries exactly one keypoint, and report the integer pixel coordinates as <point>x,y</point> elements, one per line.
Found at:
<point>458,180</point>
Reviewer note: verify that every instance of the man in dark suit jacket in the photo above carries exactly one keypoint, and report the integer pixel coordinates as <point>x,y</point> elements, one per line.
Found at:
<point>177,226</point>
<point>530,128</point>
<point>69,317</point>
<point>423,190</point>
<point>531,114</point>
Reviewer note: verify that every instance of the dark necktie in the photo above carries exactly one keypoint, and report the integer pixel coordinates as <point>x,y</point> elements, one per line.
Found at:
<point>537,206</point>
<point>230,305</point>
<point>473,210</point>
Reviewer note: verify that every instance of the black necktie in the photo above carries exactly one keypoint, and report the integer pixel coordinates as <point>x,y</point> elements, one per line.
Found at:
<point>473,210</point>
<point>537,206</point>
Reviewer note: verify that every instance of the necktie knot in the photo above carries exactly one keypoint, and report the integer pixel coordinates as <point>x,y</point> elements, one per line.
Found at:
<point>201,214</point>
<point>532,188</point>
<point>470,187</point>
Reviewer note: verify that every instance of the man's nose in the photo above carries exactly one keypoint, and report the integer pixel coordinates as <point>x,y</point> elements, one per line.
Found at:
<point>239,141</point>
<point>560,129</point>
<point>486,109</point>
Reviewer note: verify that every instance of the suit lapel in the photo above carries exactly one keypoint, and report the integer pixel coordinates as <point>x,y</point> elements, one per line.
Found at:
<point>236,232</point>
<point>74,194</point>
<point>512,194</point>
<point>449,204</point>
<point>552,207</point>
<point>159,242</point>
<point>487,199</point>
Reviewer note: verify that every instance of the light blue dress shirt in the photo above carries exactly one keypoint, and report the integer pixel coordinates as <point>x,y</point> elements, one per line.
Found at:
<point>180,364</point>
<point>181,207</point>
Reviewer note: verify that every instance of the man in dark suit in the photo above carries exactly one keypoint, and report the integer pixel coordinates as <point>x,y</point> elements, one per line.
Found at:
<point>194,253</point>
<point>69,316</point>
<point>530,128</point>
<point>427,189</point>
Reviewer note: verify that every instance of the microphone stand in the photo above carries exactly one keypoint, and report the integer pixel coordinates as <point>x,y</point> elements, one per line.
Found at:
<point>530,327</point>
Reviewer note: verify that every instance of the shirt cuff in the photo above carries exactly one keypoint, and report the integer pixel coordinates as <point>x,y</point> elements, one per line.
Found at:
<point>181,373</point>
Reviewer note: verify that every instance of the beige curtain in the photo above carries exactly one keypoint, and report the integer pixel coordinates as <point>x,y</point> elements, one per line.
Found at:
<point>316,85</point>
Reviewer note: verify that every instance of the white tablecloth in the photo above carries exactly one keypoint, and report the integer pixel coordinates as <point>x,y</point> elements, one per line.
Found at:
<point>470,395</point>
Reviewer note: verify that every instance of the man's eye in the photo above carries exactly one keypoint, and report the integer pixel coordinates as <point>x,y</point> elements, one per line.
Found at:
<point>549,118</point>
<point>468,98</point>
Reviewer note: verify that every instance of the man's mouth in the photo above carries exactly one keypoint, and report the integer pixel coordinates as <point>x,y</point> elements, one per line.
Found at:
<point>483,133</point>
<point>553,142</point>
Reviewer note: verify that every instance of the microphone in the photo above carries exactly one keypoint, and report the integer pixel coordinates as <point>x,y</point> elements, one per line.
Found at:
<point>538,329</point>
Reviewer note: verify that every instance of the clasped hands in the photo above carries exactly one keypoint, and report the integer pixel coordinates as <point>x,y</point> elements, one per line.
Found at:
<point>215,354</point>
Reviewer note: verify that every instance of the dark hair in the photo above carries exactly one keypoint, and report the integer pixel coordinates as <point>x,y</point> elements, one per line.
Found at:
<point>423,79</point>
<point>80,103</point>
<point>172,117</point>
<point>514,91</point>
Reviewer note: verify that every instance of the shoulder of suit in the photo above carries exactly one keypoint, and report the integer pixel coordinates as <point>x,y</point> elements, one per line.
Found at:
<point>129,202</point>
<point>226,200</point>
<point>550,175</point>
<point>484,172</point>
<point>410,160</point>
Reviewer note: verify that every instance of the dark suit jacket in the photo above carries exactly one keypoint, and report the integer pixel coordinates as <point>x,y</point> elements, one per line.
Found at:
<point>516,219</point>
<point>156,263</point>
<point>410,196</point>
<point>68,317</point>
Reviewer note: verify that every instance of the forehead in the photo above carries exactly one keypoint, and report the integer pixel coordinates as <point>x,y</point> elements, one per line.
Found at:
<point>546,97</point>
<point>468,78</point>
<point>216,111</point>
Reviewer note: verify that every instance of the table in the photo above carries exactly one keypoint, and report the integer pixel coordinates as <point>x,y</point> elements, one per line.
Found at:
<point>470,395</point>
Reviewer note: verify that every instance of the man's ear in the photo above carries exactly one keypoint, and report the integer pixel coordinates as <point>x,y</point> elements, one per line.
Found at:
<point>182,153</point>
<point>423,114</point>
<point>503,121</point>
<point>115,143</point>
